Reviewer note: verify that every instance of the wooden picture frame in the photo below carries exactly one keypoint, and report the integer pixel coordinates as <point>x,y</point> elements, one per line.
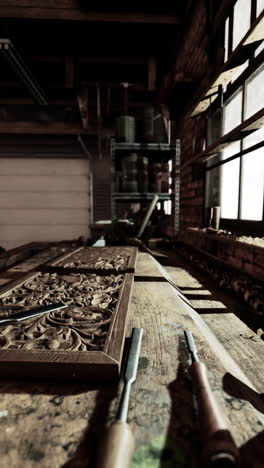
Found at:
<point>89,366</point>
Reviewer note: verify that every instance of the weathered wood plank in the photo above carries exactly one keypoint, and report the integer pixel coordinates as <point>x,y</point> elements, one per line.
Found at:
<point>60,12</point>
<point>26,166</point>
<point>11,237</point>
<point>42,216</point>
<point>51,200</point>
<point>243,345</point>
<point>61,425</point>
<point>44,183</point>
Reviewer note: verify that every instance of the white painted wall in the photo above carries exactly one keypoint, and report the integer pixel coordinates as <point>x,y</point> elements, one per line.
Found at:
<point>44,200</point>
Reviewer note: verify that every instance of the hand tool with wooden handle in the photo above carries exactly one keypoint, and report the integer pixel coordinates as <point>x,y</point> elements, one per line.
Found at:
<point>118,446</point>
<point>219,449</point>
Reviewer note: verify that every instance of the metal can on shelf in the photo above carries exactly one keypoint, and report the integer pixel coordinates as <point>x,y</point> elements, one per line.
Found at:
<point>125,129</point>
<point>130,173</point>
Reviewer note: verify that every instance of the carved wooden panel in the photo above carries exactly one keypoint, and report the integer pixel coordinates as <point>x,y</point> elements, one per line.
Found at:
<point>83,341</point>
<point>103,260</point>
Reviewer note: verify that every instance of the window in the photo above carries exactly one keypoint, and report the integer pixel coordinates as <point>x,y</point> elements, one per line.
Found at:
<point>259,49</point>
<point>242,12</point>
<point>226,38</point>
<point>260,6</point>
<point>242,179</point>
<point>252,178</point>
<point>238,184</point>
<point>254,93</point>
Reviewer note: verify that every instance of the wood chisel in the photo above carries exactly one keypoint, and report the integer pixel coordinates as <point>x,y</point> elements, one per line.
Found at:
<point>118,446</point>
<point>219,449</point>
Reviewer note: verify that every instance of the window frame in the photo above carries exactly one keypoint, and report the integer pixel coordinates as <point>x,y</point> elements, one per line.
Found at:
<point>255,62</point>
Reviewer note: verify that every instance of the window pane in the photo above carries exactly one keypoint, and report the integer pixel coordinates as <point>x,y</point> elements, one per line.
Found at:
<point>241,70</point>
<point>232,113</point>
<point>230,183</point>
<point>253,179</point>
<point>241,20</point>
<point>259,49</point>
<point>254,93</point>
<point>260,6</point>
<point>226,38</point>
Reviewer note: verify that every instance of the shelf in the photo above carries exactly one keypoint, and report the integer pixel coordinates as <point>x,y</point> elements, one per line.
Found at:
<point>132,196</point>
<point>144,146</point>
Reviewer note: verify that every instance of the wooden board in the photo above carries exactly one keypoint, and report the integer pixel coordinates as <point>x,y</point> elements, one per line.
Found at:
<point>102,260</point>
<point>47,424</point>
<point>81,342</point>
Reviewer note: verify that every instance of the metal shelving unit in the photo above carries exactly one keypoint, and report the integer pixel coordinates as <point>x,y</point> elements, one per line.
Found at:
<point>137,196</point>
<point>159,152</point>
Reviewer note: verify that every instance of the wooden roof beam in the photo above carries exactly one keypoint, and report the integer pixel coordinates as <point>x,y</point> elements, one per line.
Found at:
<point>75,14</point>
<point>48,128</point>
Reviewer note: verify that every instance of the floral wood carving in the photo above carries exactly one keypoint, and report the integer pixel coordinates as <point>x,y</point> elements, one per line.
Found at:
<point>99,259</point>
<point>71,329</point>
<point>78,289</point>
<point>82,326</point>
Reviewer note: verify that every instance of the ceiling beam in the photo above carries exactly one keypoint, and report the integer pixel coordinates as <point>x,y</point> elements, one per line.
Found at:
<point>75,14</point>
<point>51,128</point>
<point>97,59</point>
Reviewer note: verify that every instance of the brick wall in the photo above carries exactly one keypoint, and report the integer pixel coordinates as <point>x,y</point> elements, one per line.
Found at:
<point>194,58</point>
<point>245,257</point>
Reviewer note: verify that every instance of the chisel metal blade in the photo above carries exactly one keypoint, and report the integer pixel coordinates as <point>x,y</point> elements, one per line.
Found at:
<point>133,356</point>
<point>130,373</point>
<point>191,345</point>
<point>27,314</point>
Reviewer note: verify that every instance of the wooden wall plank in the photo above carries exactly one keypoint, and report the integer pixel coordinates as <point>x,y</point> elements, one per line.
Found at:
<point>13,216</point>
<point>44,183</point>
<point>13,236</point>
<point>26,166</point>
<point>44,200</point>
<point>28,200</point>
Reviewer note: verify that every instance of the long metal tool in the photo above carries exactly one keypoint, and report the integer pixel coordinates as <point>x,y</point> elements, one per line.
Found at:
<point>28,314</point>
<point>118,446</point>
<point>219,449</point>
<point>147,216</point>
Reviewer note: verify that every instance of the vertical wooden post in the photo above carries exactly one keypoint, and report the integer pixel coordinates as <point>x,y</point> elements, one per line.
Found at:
<point>82,99</point>
<point>69,72</point>
<point>152,73</point>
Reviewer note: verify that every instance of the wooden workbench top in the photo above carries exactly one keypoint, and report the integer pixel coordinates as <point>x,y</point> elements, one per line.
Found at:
<point>60,425</point>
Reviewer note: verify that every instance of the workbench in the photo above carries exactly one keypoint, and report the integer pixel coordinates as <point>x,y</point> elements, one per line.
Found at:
<point>60,425</point>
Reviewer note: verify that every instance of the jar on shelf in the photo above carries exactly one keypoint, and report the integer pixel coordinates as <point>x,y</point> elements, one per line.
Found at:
<point>143,174</point>
<point>130,173</point>
<point>155,177</point>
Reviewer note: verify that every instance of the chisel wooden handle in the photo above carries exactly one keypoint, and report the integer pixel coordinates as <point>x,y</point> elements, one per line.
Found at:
<point>116,451</point>
<point>218,446</point>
